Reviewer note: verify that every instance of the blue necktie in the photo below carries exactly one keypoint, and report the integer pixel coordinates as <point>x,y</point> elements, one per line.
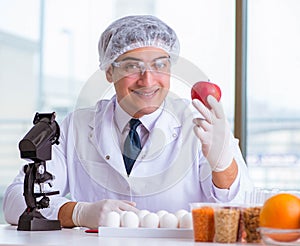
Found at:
<point>132,145</point>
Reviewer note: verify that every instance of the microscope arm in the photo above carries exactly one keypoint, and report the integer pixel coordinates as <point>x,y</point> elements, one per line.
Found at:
<point>29,181</point>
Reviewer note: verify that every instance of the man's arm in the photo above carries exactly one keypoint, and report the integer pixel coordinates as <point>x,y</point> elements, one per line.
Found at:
<point>217,142</point>
<point>224,179</point>
<point>13,201</point>
<point>65,214</point>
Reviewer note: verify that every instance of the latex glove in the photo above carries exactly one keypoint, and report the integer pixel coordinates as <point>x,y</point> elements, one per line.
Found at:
<point>92,215</point>
<point>214,133</point>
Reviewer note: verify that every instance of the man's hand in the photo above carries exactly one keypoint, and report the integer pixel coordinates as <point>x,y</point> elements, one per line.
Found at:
<point>92,215</point>
<point>214,134</point>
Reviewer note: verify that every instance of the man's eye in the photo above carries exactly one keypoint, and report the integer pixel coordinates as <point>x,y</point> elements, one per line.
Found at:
<point>160,64</point>
<point>131,66</point>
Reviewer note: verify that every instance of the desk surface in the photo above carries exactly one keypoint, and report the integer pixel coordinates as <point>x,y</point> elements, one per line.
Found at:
<point>9,235</point>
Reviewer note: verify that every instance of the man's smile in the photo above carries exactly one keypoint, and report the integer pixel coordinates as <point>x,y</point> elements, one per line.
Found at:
<point>148,93</point>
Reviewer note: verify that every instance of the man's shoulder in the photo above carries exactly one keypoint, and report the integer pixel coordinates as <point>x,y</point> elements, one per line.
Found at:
<point>177,102</point>
<point>87,114</point>
<point>181,107</point>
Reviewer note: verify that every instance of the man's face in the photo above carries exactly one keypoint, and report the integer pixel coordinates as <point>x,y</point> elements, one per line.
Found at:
<point>141,79</point>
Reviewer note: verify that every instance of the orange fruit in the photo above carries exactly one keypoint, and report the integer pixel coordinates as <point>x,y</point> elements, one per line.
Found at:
<point>281,211</point>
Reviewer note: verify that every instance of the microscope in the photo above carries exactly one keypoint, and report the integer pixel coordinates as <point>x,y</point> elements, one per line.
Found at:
<point>36,146</point>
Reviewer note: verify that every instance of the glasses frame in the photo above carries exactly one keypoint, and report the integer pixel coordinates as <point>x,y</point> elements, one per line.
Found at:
<point>143,67</point>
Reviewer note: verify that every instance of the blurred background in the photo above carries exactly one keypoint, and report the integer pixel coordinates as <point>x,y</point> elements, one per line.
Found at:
<point>48,54</point>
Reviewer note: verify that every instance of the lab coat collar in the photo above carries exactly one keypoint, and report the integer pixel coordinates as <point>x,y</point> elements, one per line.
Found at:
<point>122,117</point>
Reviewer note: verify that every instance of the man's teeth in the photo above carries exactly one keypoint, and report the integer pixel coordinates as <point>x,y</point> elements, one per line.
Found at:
<point>144,93</point>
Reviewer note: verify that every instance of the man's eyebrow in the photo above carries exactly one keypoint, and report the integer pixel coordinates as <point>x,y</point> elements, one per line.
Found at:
<point>131,58</point>
<point>138,59</point>
<point>161,57</point>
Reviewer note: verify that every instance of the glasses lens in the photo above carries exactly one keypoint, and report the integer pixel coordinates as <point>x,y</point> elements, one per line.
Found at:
<point>161,65</point>
<point>131,68</point>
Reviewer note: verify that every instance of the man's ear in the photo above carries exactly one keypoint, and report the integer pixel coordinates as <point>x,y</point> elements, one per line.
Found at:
<point>109,74</point>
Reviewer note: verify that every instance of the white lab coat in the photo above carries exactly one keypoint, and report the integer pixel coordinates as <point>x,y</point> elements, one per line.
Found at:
<point>170,172</point>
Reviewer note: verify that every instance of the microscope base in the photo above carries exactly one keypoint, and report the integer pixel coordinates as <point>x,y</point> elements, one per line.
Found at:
<point>28,221</point>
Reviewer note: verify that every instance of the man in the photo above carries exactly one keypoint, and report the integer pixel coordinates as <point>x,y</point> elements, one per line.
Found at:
<point>108,162</point>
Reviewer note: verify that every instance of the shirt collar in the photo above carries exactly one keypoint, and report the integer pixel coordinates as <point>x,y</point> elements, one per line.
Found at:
<point>122,118</point>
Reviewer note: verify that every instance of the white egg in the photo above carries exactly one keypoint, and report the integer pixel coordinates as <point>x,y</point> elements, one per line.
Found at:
<point>186,221</point>
<point>168,220</point>
<point>122,213</point>
<point>180,213</point>
<point>130,219</point>
<point>112,219</point>
<point>160,213</point>
<point>142,213</point>
<point>150,220</point>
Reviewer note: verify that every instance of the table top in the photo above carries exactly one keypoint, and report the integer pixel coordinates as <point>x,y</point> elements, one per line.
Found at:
<point>9,235</point>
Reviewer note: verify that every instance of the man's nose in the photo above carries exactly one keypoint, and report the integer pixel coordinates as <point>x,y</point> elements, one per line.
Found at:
<point>145,68</point>
<point>147,76</point>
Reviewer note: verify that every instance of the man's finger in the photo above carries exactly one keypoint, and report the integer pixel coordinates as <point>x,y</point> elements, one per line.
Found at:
<point>216,107</point>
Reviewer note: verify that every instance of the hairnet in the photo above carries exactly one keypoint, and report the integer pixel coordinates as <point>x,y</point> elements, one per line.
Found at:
<point>133,32</point>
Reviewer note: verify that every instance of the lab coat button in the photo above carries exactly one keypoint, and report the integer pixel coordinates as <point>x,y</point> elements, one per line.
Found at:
<point>174,135</point>
<point>107,157</point>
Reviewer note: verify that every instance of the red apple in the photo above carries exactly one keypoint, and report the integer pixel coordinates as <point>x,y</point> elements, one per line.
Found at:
<point>202,89</point>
